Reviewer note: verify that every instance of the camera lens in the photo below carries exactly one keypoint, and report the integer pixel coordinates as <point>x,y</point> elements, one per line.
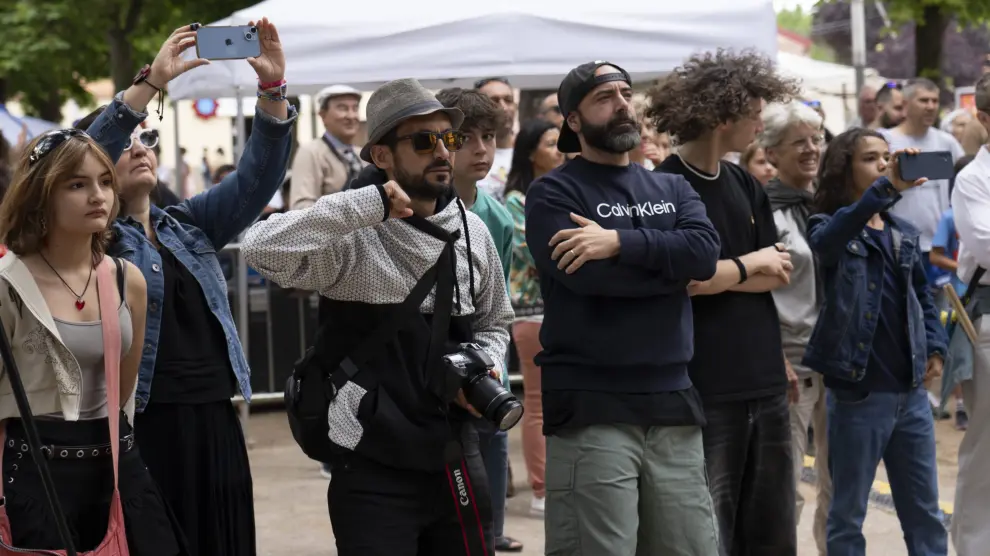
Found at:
<point>254,29</point>
<point>248,36</point>
<point>493,401</point>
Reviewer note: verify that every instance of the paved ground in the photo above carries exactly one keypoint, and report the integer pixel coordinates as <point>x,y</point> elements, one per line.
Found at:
<point>291,507</point>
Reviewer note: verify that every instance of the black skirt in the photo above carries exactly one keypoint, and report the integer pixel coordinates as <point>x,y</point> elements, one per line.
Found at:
<point>84,489</point>
<point>197,454</point>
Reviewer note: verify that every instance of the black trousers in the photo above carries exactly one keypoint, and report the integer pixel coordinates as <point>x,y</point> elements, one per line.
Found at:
<point>383,511</point>
<point>751,475</point>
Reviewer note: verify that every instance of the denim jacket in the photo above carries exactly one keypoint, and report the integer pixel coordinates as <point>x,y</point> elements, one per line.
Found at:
<point>853,266</point>
<point>197,228</point>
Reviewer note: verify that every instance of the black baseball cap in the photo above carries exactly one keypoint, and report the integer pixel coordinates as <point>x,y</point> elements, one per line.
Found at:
<point>578,83</point>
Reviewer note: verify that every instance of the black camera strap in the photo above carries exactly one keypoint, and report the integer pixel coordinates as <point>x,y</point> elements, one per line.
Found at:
<point>390,325</point>
<point>437,274</point>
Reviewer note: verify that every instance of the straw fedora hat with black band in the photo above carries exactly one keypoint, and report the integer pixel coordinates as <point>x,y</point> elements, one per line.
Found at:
<point>397,101</point>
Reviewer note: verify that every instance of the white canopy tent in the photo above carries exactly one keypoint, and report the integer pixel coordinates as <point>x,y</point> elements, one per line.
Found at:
<point>532,42</point>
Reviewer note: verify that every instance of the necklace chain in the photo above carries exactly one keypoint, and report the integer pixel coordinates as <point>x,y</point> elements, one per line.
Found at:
<point>698,173</point>
<point>66,284</point>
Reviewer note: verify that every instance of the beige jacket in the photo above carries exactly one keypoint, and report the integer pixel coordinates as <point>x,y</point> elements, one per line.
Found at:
<point>316,172</point>
<point>51,375</point>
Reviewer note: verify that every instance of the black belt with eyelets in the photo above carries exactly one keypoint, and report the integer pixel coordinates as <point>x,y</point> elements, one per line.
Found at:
<point>72,452</point>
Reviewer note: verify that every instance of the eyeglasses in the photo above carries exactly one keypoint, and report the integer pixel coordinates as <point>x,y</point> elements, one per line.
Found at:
<point>50,141</point>
<point>424,142</point>
<point>816,104</point>
<point>148,138</point>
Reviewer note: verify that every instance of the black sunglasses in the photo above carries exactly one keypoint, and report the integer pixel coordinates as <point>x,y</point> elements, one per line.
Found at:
<point>424,142</point>
<point>50,141</point>
<point>148,138</point>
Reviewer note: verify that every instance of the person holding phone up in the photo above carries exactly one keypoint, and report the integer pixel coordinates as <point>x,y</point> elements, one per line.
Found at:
<point>878,342</point>
<point>192,361</point>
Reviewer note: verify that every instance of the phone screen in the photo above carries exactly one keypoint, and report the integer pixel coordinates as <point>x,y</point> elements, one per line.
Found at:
<point>228,43</point>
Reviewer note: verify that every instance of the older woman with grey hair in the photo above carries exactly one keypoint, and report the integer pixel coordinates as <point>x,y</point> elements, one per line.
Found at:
<point>792,139</point>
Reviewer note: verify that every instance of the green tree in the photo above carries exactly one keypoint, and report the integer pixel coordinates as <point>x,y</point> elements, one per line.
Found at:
<point>930,19</point>
<point>801,22</point>
<point>44,56</point>
<point>51,47</point>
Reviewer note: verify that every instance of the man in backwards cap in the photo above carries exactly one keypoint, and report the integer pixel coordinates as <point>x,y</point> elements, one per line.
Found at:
<point>616,246</point>
<point>408,477</point>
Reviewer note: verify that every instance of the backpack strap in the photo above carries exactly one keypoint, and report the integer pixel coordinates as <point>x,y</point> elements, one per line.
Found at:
<point>389,326</point>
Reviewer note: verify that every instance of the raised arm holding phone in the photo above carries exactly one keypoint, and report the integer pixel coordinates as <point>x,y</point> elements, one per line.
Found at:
<point>192,361</point>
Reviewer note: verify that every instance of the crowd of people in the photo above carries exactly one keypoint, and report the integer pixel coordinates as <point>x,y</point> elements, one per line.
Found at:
<point>682,322</point>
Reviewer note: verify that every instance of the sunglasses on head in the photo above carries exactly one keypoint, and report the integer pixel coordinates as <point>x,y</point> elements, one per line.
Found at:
<point>816,104</point>
<point>50,141</point>
<point>148,138</point>
<point>424,142</point>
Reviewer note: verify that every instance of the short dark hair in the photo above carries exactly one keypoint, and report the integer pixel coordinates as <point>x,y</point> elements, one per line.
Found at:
<point>480,112</point>
<point>886,93</point>
<point>713,89</point>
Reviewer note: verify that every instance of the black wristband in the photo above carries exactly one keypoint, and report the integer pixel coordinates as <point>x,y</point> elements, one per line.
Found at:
<point>386,202</point>
<point>743,275</point>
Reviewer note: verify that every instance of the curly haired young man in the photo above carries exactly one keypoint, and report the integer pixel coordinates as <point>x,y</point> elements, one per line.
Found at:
<point>712,106</point>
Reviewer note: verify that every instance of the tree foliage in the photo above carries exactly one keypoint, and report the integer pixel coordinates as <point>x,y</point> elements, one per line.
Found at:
<point>944,40</point>
<point>51,47</point>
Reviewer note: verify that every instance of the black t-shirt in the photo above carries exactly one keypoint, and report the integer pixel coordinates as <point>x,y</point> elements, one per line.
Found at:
<point>737,348</point>
<point>192,365</point>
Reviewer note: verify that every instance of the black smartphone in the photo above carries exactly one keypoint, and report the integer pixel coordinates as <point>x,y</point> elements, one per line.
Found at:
<point>934,165</point>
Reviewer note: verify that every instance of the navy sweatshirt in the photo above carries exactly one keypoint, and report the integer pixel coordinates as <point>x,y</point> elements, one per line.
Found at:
<point>622,324</point>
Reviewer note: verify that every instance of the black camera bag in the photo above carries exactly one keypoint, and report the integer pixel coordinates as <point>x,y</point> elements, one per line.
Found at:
<point>315,380</point>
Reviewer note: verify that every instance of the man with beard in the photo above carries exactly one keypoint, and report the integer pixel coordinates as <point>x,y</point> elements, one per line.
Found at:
<point>890,107</point>
<point>407,474</point>
<point>713,105</point>
<point>615,246</point>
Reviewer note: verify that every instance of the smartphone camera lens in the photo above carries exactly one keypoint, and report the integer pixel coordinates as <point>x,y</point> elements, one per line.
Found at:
<point>251,33</point>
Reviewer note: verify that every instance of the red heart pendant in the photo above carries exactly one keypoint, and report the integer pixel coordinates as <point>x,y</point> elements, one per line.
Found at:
<point>80,304</point>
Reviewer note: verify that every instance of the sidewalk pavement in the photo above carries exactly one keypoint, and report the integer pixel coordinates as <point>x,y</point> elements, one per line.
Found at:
<point>291,503</point>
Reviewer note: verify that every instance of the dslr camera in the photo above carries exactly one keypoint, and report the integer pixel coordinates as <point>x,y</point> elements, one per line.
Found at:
<point>471,365</point>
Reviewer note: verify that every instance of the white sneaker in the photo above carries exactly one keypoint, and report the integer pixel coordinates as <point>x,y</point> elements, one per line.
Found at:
<point>537,508</point>
<point>325,471</point>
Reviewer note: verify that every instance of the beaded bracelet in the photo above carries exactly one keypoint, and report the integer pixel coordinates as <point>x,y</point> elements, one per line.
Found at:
<point>273,94</point>
<point>272,85</point>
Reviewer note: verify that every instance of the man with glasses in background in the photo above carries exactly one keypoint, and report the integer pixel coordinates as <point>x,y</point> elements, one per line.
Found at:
<point>867,109</point>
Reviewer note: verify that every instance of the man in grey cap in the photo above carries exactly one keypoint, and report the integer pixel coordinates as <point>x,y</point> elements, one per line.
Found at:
<point>408,476</point>
<point>328,163</point>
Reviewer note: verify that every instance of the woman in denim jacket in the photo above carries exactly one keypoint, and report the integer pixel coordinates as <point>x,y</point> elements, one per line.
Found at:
<point>877,342</point>
<point>189,434</point>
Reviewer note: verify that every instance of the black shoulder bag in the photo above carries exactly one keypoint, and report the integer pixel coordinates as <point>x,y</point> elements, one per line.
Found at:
<point>314,381</point>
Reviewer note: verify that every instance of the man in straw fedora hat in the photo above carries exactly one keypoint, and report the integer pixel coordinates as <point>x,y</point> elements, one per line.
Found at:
<point>407,474</point>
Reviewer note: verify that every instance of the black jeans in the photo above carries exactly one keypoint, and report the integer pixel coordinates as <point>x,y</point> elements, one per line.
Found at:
<point>751,477</point>
<point>383,511</point>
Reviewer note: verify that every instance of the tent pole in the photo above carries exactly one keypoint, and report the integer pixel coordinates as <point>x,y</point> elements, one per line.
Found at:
<point>240,132</point>
<point>177,187</point>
